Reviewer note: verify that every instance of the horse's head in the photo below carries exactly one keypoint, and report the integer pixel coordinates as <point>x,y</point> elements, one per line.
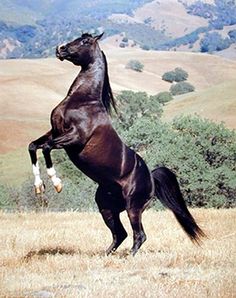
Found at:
<point>81,51</point>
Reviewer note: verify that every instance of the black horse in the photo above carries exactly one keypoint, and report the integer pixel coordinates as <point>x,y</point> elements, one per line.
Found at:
<point>81,126</point>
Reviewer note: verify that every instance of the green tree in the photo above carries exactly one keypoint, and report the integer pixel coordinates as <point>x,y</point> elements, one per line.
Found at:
<point>169,76</point>
<point>176,75</point>
<point>180,74</point>
<point>201,153</point>
<point>135,65</point>
<point>134,105</point>
<point>181,88</point>
<point>162,97</point>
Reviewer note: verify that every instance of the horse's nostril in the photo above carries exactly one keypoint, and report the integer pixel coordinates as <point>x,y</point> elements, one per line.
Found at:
<point>62,47</point>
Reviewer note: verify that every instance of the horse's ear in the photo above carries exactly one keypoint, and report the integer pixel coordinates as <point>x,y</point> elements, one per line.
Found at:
<point>98,36</point>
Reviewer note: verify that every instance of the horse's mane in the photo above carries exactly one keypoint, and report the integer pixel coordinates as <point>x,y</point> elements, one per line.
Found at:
<point>107,95</point>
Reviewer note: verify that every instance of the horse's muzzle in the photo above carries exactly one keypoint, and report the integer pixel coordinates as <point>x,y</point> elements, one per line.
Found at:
<point>60,54</point>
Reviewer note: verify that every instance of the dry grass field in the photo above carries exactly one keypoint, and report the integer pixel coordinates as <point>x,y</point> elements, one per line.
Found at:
<point>62,255</point>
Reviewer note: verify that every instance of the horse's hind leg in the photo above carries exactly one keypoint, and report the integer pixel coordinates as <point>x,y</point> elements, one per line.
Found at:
<point>111,216</point>
<point>139,235</point>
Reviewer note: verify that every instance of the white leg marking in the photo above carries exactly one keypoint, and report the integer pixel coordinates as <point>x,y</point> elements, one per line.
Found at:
<point>37,180</point>
<point>55,180</point>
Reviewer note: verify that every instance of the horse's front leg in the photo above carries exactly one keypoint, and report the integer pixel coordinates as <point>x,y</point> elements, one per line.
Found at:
<point>33,147</point>
<point>50,168</point>
<point>48,143</point>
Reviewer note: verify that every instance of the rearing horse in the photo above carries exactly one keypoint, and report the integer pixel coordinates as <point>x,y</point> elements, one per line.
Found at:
<point>81,126</point>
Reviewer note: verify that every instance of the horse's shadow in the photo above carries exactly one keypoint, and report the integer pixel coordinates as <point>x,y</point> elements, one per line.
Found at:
<point>69,251</point>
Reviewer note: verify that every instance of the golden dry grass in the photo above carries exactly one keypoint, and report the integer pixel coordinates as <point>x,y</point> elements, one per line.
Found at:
<point>62,255</point>
<point>217,103</point>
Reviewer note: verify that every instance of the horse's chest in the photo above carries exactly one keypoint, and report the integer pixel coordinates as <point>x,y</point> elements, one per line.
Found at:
<point>58,119</point>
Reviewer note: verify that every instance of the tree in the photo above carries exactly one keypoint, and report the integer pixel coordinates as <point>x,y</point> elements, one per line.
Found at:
<point>169,76</point>
<point>200,152</point>
<point>122,45</point>
<point>162,97</point>
<point>181,88</point>
<point>232,35</point>
<point>135,65</point>
<point>176,75</point>
<point>214,42</point>
<point>134,105</point>
<point>180,74</point>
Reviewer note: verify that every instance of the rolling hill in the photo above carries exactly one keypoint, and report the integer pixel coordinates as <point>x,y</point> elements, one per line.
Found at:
<point>217,103</point>
<point>29,89</point>
<point>32,29</point>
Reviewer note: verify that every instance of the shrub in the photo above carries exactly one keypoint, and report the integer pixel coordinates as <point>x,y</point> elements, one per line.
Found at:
<point>78,190</point>
<point>125,39</point>
<point>180,75</point>
<point>145,47</point>
<point>200,152</point>
<point>181,88</point>
<point>5,198</point>
<point>232,35</point>
<point>122,45</point>
<point>135,65</point>
<point>214,42</point>
<point>177,75</point>
<point>169,76</point>
<point>162,97</point>
<point>134,105</point>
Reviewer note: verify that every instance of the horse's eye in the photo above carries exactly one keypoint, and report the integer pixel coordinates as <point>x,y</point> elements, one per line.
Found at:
<point>84,42</point>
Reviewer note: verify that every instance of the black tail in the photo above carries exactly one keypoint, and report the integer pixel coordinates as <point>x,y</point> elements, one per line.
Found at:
<point>168,192</point>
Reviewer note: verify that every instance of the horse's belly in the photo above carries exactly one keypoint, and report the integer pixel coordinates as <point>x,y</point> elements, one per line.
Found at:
<point>95,168</point>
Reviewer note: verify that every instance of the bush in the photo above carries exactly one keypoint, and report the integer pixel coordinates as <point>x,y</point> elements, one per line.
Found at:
<point>232,35</point>
<point>162,97</point>
<point>78,190</point>
<point>200,152</point>
<point>180,75</point>
<point>122,45</point>
<point>125,39</point>
<point>134,105</point>
<point>214,42</point>
<point>135,65</point>
<point>181,88</point>
<point>169,76</point>
<point>5,198</point>
<point>145,47</point>
<point>177,75</point>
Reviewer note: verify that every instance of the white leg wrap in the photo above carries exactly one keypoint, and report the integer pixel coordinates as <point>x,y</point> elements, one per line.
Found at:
<point>37,180</point>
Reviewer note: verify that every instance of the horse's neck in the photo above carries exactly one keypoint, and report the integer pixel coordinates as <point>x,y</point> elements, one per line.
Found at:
<point>90,80</point>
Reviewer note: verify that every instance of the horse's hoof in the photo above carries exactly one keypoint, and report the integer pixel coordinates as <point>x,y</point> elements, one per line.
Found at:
<point>58,187</point>
<point>39,189</point>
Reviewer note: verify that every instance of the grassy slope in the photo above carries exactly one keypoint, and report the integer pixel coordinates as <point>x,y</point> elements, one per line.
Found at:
<point>216,103</point>
<point>29,89</point>
<point>170,16</point>
<point>168,264</point>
